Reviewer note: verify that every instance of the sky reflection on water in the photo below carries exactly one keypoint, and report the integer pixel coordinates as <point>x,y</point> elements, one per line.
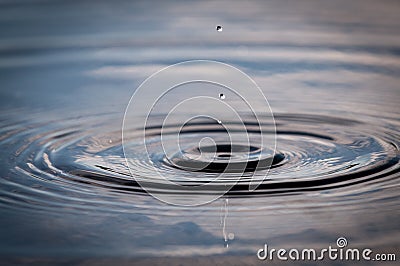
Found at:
<point>69,59</point>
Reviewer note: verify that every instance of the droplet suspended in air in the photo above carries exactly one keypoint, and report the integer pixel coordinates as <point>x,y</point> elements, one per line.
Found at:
<point>222,96</point>
<point>219,28</point>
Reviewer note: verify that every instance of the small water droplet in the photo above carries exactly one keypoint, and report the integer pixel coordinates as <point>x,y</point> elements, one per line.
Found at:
<point>110,141</point>
<point>231,236</point>
<point>222,96</point>
<point>219,28</point>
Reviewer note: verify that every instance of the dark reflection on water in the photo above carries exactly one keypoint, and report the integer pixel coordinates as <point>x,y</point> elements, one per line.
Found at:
<point>330,70</point>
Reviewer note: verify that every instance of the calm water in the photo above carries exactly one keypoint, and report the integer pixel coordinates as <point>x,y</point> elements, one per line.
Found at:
<point>329,69</point>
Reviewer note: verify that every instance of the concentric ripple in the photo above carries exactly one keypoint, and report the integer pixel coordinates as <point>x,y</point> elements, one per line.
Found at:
<point>224,157</point>
<point>80,160</point>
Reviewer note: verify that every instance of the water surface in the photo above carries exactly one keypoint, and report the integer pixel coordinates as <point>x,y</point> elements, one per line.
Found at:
<point>329,69</point>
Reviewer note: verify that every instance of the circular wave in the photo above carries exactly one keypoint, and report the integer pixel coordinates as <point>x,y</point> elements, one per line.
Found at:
<point>82,161</point>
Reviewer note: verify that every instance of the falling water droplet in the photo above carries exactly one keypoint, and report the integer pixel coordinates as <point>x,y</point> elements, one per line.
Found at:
<point>222,96</point>
<point>110,141</point>
<point>223,221</point>
<point>219,28</point>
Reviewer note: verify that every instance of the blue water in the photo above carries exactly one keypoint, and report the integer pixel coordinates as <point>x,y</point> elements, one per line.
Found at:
<point>329,69</point>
